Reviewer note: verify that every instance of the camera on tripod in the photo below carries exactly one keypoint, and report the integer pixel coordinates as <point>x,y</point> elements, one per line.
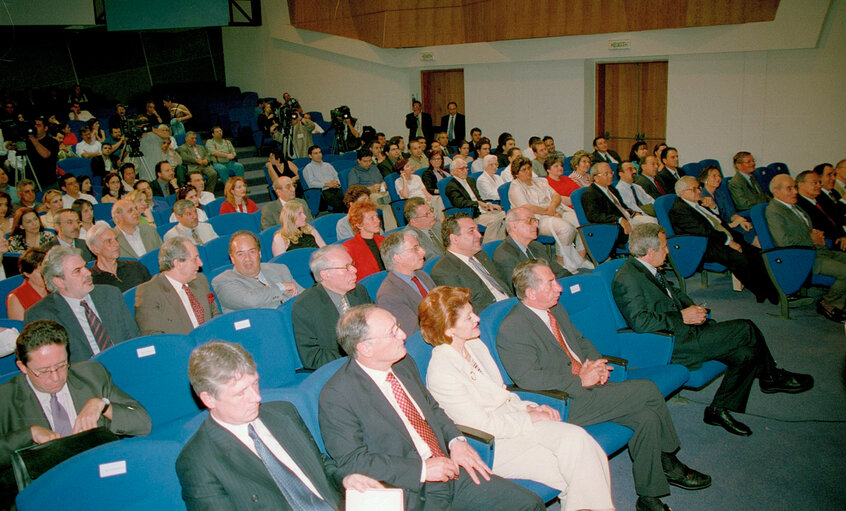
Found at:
<point>17,131</point>
<point>132,132</point>
<point>340,115</point>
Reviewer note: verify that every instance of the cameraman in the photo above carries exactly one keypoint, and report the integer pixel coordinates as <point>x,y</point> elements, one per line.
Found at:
<point>43,152</point>
<point>302,128</point>
<point>350,130</point>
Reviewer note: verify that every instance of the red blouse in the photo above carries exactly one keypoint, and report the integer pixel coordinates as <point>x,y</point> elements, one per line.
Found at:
<point>226,207</point>
<point>564,186</point>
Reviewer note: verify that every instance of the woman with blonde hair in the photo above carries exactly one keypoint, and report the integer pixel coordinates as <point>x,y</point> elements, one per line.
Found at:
<point>144,206</point>
<point>52,205</point>
<point>532,442</point>
<point>294,231</point>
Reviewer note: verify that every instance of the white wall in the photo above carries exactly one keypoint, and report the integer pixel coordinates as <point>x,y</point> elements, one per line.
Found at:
<point>780,104</point>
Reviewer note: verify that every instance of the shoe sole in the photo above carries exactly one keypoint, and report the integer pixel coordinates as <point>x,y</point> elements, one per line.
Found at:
<point>691,488</point>
<point>787,391</point>
<point>714,423</point>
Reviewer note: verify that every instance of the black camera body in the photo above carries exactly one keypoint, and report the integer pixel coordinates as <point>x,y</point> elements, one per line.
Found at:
<point>340,115</point>
<point>133,129</point>
<point>17,131</point>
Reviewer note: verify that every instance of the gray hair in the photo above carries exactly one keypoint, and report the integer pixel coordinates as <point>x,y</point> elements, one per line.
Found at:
<point>596,167</point>
<point>512,216</point>
<point>214,363</point>
<point>394,244</point>
<point>524,276</point>
<point>93,234</point>
<point>685,183</point>
<point>352,328</point>
<point>172,250</point>
<point>411,205</point>
<point>180,206</point>
<point>319,260</point>
<point>643,237</point>
<point>51,267</point>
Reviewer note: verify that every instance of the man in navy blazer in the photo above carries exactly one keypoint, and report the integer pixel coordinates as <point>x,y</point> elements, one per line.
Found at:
<point>72,295</point>
<point>233,460</point>
<point>459,127</point>
<point>377,418</point>
<point>406,284</point>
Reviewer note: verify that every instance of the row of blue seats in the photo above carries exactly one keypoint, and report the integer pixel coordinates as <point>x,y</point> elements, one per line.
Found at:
<point>268,335</point>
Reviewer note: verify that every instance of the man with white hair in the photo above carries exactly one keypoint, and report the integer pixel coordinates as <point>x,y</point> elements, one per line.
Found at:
<point>109,269</point>
<point>189,225</point>
<point>406,283</point>
<point>463,193</point>
<point>134,239</point>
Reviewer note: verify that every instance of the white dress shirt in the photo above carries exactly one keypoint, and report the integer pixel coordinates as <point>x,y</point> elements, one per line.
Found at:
<point>135,241</point>
<point>543,314</point>
<point>498,296</point>
<point>628,192</point>
<point>79,312</point>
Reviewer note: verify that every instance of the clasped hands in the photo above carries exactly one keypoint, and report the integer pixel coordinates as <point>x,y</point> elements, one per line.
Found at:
<point>694,315</point>
<point>86,419</point>
<point>442,469</point>
<point>595,372</point>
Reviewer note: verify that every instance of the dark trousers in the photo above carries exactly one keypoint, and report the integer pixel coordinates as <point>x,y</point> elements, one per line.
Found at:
<point>748,267</point>
<point>462,493</point>
<point>334,198</point>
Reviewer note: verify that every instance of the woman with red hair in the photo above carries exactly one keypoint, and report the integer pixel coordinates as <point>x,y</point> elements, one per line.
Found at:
<point>237,201</point>
<point>364,246</point>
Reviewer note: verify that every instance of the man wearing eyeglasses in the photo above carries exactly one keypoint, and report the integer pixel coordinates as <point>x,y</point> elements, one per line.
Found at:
<point>317,309</point>
<point>521,244</point>
<point>51,399</point>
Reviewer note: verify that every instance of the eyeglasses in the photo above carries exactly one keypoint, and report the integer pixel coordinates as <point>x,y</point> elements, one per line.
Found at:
<point>346,267</point>
<point>531,220</point>
<point>392,333</point>
<point>49,370</point>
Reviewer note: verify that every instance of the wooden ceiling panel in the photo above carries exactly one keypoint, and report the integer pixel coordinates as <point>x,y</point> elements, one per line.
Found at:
<point>411,23</point>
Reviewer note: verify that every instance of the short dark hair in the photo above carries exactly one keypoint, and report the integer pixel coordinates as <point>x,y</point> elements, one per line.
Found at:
<point>64,179</point>
<point>821,167</point>
<point>597,138</point>
<point>159,166</point>
<point>416,102</point>
<point>666,151</point>
<point>363,153</point>
<point>312,148</point>
<point>30,259</point>
<point>452,103</point>
<point>43,332</point>
<point>474,130</point>
<point>450,226</point>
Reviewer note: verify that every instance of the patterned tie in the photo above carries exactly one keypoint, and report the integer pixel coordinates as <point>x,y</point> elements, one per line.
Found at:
<point>61,421</point>
<point>553,323</point>
<point>616,202</point>
<point>298,495</point>
<point>659,276</point>
<point>97,328</point>
<point>488,277</point>
<point>195,305</point>
<point>451,128</point>
<point>345,304</point>
<point>197,239</point>
<point>419,423</point>
<point>420,287</point>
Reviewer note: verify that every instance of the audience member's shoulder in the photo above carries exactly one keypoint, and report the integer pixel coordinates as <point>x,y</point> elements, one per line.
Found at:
<point>107,291</point>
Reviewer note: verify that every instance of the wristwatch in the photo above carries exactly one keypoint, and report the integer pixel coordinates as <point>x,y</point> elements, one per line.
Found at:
<point>106,404</point>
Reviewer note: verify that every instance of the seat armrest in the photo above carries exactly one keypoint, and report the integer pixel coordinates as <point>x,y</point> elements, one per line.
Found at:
<point>303,370</point>
<point>617,361</point>
<point>480,441</point>
<point>556,394</point>
<point>476,434</point>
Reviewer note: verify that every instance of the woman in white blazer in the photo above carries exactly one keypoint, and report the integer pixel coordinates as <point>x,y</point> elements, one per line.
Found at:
<point>531,440</point>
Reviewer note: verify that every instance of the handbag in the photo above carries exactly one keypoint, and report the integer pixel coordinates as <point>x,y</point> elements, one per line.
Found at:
<point>30,462</point>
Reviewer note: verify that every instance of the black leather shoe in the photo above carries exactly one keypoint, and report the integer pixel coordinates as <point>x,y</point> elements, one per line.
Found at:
<point>717,416</point>
<point>651,504</point>
<point>680,475</point>
<point>787,382</point>
<point>832,314</point>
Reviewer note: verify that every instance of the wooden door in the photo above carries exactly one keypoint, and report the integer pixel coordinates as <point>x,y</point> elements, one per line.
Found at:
<point>631,103</point>
<point>440,87</point>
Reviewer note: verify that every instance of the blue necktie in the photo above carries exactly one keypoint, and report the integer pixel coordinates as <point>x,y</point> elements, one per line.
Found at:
<point>293,489</point>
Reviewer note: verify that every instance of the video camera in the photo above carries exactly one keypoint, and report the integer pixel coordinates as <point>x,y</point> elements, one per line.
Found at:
<point>340,115</point>
<point>133,129</point>
<point>17,131</point>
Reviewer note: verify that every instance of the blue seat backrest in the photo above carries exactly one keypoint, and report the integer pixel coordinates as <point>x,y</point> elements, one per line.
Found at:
<point>489,322</point>
<point>692,169</point>
<point>154,370</point>
<point>262,333</point>
<point>490,247</point>
<point>266,240</point>
<point>430,263</point>
<point>150,260</point>
<point>504,200</point>
<point>8,285</point>
<point>162,228</point>
<point>310,388</point>
<point>587,298</point>
<point>710,161</point>
<point>217,253</point>
<point>391,186</point>
<point>442,184</point>
<point>759,221</point>
<point>662,212</point>
<point>297,262</point>
<point>576,199</point>
<point>213,207</point>
<point>103,211</point>
<point>420,351</point>
<point>372,283</point>
<point>129,298</point>
<point>326,226</point>
<point>227,224</point>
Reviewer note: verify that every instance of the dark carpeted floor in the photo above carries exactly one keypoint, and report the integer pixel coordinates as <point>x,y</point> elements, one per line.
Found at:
<point>796,456</point>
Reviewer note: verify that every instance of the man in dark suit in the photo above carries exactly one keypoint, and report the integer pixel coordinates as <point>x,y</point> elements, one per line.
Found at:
<point>406,283</point>
<point>603,203</point>
<point>96,317</point>
<point>602,153</point>
<point>791,226</point>
<point>377,418</point>
<point>830,198</point>
<point>247,454</point>
<point>463,193</point>
<point>464,264</point>
<point>85,398</point>
<point>647,180</point>
<point>650,304</point>
<point>165,183</point>
<point>67,226</point>
<point>421,220</point>
<point>671,171</point>
<point>542,349</point>
<point>177,300</point>
<point>454,124</point>
<point>725,245</point>
<point>419,123</point>
<point>521,244</point>
<point>825,219</point>
<point>317,309</point>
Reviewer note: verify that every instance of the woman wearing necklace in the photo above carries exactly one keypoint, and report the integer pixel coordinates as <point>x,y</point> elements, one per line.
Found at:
<point>531,441</point>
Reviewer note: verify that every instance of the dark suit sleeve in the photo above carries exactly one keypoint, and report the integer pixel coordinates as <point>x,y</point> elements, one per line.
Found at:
<point>12,440</point>
<point>631,292</point>
<point>201,488</point>
<point>595,209</point>
<point>310,331</point>
<point>458,196</point>
<point>128,416</point>
<point>685,221</point>
<point>430,181</point>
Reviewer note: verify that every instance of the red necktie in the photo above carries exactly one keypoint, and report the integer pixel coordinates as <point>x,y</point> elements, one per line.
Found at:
<point>420,287</point>
<point>659,187</point>
<point>419,423</point>
<point>553,323</point>
<point>195,305</point>
<point>819,207</point>
<point>97,328</point>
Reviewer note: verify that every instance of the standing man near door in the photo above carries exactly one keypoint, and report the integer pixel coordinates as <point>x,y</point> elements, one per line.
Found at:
<point>454,124</point>
<point>418,122</point>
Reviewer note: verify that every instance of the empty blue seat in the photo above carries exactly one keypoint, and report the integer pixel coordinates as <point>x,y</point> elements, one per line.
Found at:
<point>229,223</point>
<point>297,262</point>
<point>326,225</point>
<point>8,285</point>
<point>217,253</point>
<point>373,281</point>
<point>150,260</point>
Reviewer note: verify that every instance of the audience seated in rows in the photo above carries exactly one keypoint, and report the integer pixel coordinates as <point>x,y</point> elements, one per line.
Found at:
<point>421,220</point>
<point>406,284</point>
<point>252,284</point>
<point>189,193</point>
<point>135,238</point>
<point>53,202</point>
<point>67,233</point>
<point>563,185</point>
<point>222,154</point>
<point>355,193</point>
<point>647,178</point>
<point>633,196</point>
<point>743,186</point>
<point>670,170</point>
<point>28,231</point>
<point>237,201</point>
<point>521,244</point>
<point>322,175</point>
<point>819,208</point>
<point>195,157</point>
<point>408,185</point>
<point>165,183</point>
<point>142,197</point>
<point>317,309</point>
<point>294,230</point>
<point>489,181</point>
<point>719,202</point>
<point>86,216</point>
<point>189,225</point>
<point>601,152</point>
<point>178,298</point>
<point>113,189</point>
<point>463,193</point>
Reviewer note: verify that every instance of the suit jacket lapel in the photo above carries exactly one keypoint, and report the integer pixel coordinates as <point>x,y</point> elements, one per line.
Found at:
<point>68,319</point>
<point>28,406</point>
<point>174,301</point>
<point>241,459</point>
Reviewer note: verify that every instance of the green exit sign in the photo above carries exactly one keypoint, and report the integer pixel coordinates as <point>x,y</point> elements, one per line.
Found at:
<point>619,44</point>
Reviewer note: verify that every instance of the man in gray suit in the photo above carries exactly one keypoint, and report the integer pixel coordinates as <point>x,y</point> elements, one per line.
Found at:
<point>196,157</point>
<point>790,226</point>
<point>96,317</point>
<point>51,399</point>
<point>540,348</point>
<point>421,220</point>
<point>285,191</point>
<point>177,300</point>
<point>134,239</point>
<point>743,186</point>
<point>247,454</point>
<point>406,284</point>
<point>521,245</point>
<point>252,284</point>
<point>67,226</point>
